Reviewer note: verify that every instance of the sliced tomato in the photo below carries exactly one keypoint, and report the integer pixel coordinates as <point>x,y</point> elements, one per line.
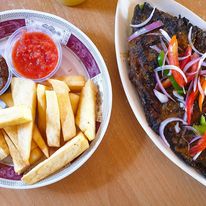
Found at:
<point>189,105</point>
<point>173,60</point>
<point>201,145</point>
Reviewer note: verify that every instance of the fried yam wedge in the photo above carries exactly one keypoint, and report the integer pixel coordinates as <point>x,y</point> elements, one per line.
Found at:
<point>59,159</point>
<point>19,165</point>
<point>52,119</point>
<point>66,112</point>
<point>41,101</point>
<point>24,92</point>
<point>85,118</point>
<point>40,141</point>
<point>75,83</point>
<point>15,115</point>
<point>4,150</point>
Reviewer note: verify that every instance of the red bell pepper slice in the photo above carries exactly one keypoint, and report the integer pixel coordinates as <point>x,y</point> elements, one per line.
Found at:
<point>173,60</point>
<point>201,96</point>
<point>188,53</point>
<point>189,105</point>
<point>201,145</point>
<point>193,68</point>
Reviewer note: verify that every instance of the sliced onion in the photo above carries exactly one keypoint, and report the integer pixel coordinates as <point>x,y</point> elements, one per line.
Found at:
<point>182,105</point>
<point>203,72</point>
<point>198,70</point>
<point>177,128</point>
<point>165,35</point>
<point>200,87</point>
<point>195,139</point>
<point>201,61</point>
<point>189,90</point>
<point>156,48</point>
<point>162,97</point>
<point>177,95</point>
<point>197,155</point>
<point>191,73</point>
<point>190,42</point>
<point>195,83</point>
<point>164,124</point>
<point>183,58</point>
<point>144,22</point>
<point>189,64</point>
<point>185,116</point>
<point>172,67</point>
<point>154,34</point>
<point>204,64</point>
<point>161,87</point>
<point>146,29</point>
<point>3,104</point>
<point>164,47</point>
<point>190,128</point>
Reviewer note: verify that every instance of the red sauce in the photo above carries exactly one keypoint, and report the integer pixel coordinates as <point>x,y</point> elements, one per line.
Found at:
<point>34,55</point>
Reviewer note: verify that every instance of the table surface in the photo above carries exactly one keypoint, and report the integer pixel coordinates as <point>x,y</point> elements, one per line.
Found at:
<point>127,168</point>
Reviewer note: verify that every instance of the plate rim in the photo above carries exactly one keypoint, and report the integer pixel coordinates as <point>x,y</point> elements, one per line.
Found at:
<point>108,93</point>
<point>150,133</point>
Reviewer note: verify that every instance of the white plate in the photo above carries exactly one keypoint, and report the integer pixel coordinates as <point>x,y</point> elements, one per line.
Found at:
<point>124,15</point>
<point>80,56</point>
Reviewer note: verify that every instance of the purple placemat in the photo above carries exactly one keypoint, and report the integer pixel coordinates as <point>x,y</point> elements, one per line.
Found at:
<point>84,54</point>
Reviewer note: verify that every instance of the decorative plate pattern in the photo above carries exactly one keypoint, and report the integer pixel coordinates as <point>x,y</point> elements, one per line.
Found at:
<point>84,58</point>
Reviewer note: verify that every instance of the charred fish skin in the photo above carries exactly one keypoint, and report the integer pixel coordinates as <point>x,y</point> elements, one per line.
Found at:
<point>143,61</point>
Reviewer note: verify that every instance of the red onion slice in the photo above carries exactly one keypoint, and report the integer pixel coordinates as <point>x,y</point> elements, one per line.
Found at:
<point>164,124</point>
<point>177,128</point>
<point>201,61</point>
<point>164,47</point>
<point>165,35</point>
<point>156,48</point>
<point>183,58</point>
<point>179,97</point>
<point>172,67</point>
<point>144,22</point>
<point>189,64</point>
<point>189,90</point>
<point>185,116</point>
<point>204,64</point>
<point>3,104</point>
<point>203,72</point>
<point>200,87</point>
<point>154,34</point>
<point>197,155</point>
<point>195,83</point>
<point>191,73</point>
<point>162,97</point>
<point>190,128</point>
<point>161,86</point>
<point>195,139</point>
<point>190,42</point>
<point>146,29</point>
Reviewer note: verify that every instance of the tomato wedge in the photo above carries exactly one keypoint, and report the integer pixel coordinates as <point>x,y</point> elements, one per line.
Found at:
<point>201,145</point>
<point>173,60</point>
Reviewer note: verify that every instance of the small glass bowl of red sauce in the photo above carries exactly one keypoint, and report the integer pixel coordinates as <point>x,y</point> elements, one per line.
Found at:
<point>33,53</point>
